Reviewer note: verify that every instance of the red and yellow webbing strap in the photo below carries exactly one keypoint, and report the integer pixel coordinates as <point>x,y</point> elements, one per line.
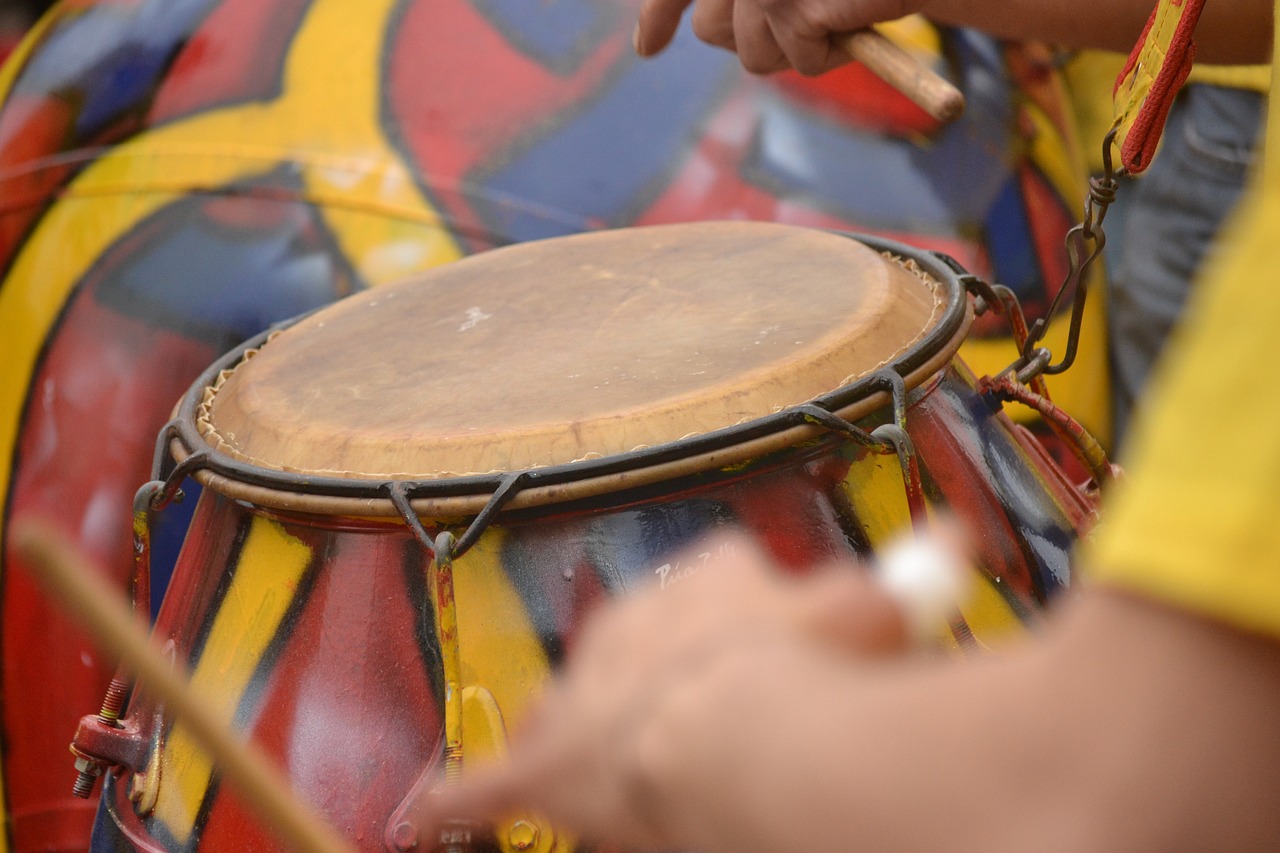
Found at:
<point>1155,71</point>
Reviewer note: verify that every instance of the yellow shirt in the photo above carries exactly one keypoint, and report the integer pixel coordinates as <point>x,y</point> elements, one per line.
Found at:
<point>1256,77</point>
<point>1197,521</point>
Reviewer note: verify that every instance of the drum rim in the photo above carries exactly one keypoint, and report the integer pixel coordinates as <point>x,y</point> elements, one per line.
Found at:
<point>181,450</point>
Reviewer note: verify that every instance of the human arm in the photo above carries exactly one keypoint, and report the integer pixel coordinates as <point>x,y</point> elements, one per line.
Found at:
<point>770,35</point>
<point>1128,726</point>
<point>1132,726</point>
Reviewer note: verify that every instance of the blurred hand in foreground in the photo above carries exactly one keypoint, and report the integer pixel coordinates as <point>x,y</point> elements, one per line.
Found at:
<point>656,668</point>
<point>738,710</point>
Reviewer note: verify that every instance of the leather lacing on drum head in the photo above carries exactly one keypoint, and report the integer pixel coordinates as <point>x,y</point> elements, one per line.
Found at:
<point>203,421</point>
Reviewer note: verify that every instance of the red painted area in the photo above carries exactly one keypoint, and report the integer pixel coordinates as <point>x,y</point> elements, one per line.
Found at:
<point>712,184</point>
<point>586,593</point>
<point>31,130</point>
<point>951,451</point>
<point>102,393</point>
<point>448,129</point>
<point>792,515</point>
<point>1049,220</point>
<point>1033,68</point>
<point>347,708</point>
<point>855,95</point>
<point>236,55</point>
<point>211,540</point>
<point>68,5</point>
<point>555,577</point>
<point>9,40</point>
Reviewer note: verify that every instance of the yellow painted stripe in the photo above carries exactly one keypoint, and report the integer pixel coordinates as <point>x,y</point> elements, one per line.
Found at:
<point>42,278</point>
<point>337,96</point>
<point>1084,390</point>
<point>62,248</point>
<point>1055,151</point>
<point>876,493</point>
<point>501,652</point>
<point>330,102</point>
<point>914,33</point>
<point>990,617</point>
<point>503,664</point>
<point>263,586</point>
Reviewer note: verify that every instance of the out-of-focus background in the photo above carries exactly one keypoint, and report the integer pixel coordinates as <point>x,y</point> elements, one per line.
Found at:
<point>176,175</point>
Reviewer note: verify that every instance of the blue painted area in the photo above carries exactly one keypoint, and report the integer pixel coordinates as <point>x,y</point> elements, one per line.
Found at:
<point>627,547</point>
<point>1010,244</point>
<point>107,836</point>
<point>612,158</point>
<point>110,59</point>
<point>185,270</point>
<point>540,561</point>
<point>238,284</point>
<point>167,534</point>
<point>1045,534</point>
<point>943,186</point>
<point>108,832</point>
<point>559,34</point>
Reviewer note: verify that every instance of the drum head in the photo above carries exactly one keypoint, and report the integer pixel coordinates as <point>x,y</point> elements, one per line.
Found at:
<point>548,353</point>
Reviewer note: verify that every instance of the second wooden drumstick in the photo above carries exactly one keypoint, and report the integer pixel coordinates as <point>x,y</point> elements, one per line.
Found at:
<point>101,610</point>
<point>904,72</point>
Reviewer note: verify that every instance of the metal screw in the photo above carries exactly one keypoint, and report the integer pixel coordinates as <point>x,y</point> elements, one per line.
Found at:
<point>88,774</point>
<point>112,705</point>
<point>522,835</point>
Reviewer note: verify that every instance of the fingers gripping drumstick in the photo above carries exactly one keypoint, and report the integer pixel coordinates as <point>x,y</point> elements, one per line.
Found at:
<point>903,72</point>
<point>63,573</point>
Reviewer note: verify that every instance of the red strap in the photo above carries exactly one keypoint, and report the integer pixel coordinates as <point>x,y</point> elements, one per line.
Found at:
<point>1152,76</point>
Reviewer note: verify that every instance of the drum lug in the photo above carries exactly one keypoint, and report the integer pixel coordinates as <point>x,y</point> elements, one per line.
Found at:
<point>487,736</point>
<point>144,790</point>
<point>104,740</point>
<point>99,745</point>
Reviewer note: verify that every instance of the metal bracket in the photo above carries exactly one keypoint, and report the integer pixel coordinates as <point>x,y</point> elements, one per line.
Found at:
<point>104,740</point>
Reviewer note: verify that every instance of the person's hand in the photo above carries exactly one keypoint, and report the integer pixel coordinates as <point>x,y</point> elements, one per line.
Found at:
<point>651,674</point>
<point>749,719</point>
<point>768,35</point>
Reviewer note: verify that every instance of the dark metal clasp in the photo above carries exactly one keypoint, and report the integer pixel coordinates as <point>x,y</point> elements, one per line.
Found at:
<point>1083,243</point>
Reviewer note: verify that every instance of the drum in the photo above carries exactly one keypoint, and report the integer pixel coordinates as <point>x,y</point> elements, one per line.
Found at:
<point>412,497</point>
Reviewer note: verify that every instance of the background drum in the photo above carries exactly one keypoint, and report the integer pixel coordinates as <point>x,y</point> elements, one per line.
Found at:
<point>176,175</point>
<point>556,421</point>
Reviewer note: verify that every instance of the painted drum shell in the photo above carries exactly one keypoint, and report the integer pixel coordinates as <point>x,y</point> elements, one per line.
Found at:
<point>316,632</point>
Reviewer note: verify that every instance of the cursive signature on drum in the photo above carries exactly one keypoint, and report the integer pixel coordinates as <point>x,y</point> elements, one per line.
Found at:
<point>670,573</point>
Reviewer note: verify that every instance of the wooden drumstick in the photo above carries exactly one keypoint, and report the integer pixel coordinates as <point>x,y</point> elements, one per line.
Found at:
<point>903,72</point>
<point>66,577</point>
